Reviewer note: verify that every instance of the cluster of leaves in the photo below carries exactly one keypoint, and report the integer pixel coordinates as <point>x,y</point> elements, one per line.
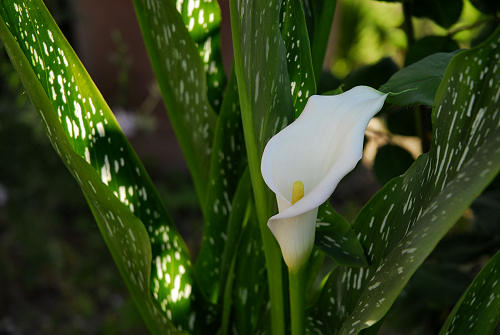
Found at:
<point>222,128</point>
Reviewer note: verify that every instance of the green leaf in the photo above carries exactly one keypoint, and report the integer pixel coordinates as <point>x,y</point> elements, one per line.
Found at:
<point>429,45</point>
<point>202,20</point>
<point>336,238</point>
<point>85,134</point>
<point>250,292</point>
<point>300,67</point>
<point>227,164</point>
<point>266,107</point>
<point>404,221</point>
<point>417,83</point>
<point>319,18</point>
<point>478,310</point>
<point>391,161</point>
<point>179,70</point>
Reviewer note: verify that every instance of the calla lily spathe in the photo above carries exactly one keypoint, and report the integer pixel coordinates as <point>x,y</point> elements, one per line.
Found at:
<point>318,149</point>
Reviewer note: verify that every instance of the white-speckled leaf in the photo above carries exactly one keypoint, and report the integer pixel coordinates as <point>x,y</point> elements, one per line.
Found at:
<point>261,67</point>
<point>227,165</point>
<point>335,237</point>
<point>202,19</point>
<point>478,310</point>
<point>298,54</point>
<point>180,74</point>
<point>84,132</point>
<point>319,18</point>
<point>403,222</point>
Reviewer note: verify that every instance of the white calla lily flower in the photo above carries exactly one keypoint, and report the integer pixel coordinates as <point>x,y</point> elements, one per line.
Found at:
<point>315,152</point>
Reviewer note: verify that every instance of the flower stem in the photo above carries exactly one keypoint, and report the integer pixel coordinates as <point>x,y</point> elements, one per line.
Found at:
<point>297,300</point>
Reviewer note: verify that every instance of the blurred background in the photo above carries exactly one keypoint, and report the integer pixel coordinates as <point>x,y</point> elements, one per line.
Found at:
<point>56,274</point>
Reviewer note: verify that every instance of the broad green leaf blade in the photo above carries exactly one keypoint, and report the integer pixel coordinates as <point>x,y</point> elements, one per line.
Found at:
<point>261,67</point>
<point>266,107</point>
<point>319,17</point>
<point>478,310</point>
<point>300,67</point>
<point>227,165</point>
<point>418,82</point>
<point>202,19</point>
<point>403,222</point>
<point>336,238</point>
<point>179,71</point>
<point>85,134</point>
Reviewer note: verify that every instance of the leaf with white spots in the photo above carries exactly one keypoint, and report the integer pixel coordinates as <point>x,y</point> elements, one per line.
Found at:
<point>227,165</point>
<point>261,68</point>
<point>202,19</point>
<point>148,251</point>
<point>298,54</point>
<point>478,310</point>
<point>404,221</point>
<point>418,82</point>
<point>334,236</point>
<point>250,292</point>
<point>181,77</point>
<point>319,18</point>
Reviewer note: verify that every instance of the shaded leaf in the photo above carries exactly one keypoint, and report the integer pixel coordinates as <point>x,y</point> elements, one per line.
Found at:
<point>417,83</point>
<point>226,167</point>
<point>404,221</point>
<point>300,67</point>
<point>478,310</point>
<point>319,18</point>
<point>335,237</point>
<point>84,132</point>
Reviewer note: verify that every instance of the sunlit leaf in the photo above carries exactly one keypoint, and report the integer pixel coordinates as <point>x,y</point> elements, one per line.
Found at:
<point>202,19</point>
<point>478,311</point>
<point>179,70</point>
<point>84,132</point>
<point>298,55</point>
<point>403,222</point>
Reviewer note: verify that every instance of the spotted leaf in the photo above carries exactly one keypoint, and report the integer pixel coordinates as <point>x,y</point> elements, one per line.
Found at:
<point>227,164</point>
<point>202,19</point>
<point>148,251</point>
<point>478,310</point>
<point>179,71</point>
<point>336,238</point>
<point>261,67</point>
<point>319,18</point>
<point>404,221</point>
<point>298,54</point>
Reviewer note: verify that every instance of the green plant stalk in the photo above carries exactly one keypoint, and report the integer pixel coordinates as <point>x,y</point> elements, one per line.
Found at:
<point>320,38</point>
<point>297,300</point>
<point>271,250</point>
